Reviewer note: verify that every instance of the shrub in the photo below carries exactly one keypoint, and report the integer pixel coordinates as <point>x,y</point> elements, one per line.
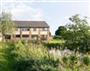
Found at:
<point>27,56</point>
<point>34,59</point>
<point>86,60</point>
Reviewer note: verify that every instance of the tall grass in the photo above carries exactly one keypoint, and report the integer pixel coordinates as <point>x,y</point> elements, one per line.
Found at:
<point>27,56</point>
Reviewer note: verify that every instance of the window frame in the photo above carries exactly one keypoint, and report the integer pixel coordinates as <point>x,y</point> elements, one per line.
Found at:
<point>25,29</point>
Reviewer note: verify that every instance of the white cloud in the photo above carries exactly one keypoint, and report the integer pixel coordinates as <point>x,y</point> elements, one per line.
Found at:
<point>15,0</point>
<point>46,0</point>
<point>21,11</point>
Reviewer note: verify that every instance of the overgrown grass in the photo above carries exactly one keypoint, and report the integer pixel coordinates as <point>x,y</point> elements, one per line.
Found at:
<point>27,56</point>
<point>59,41</point>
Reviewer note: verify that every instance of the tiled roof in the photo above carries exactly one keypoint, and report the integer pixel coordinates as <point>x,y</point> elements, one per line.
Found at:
<point>31,24</point>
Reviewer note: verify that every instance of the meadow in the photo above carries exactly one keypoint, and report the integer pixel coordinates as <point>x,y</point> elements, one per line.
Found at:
<point>32,56</point>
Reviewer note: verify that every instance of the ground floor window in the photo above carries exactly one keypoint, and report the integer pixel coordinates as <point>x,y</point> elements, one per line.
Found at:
<point>43,37</point>
<point>25,36</point>
<point>34,37</point>
<point>7,36</point>
<point>17,36</point>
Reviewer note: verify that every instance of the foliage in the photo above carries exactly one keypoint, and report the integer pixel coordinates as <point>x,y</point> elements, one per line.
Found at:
<point>77,35</point>
<point>20,57</point>
<point>86,60</point>
<point>34,56</point>
<point>7,58</point>
<point>61,31</point>
<point>6,24</point>
<point>72,61</point>
<point>55,43</point>
<point>75,63</point>
<point>34,59</point>
<point>27,56</point>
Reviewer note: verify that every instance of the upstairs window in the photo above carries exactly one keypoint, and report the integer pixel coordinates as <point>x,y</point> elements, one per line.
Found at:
<point>34,29</point>
<point>44,29</point>
<point>24,29</point>
<point>27,29</point>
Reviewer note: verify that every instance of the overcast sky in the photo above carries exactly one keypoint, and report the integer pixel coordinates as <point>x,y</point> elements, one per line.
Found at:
<point>54,12</point>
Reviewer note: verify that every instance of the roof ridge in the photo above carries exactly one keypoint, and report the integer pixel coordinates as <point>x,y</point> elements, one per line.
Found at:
<point>28,20</point>
<point>31,24</point>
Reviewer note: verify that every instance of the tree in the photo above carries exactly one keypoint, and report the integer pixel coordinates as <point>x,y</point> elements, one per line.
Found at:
<point>60,31</point>
<point>78,34</point>
<point>6,24</point>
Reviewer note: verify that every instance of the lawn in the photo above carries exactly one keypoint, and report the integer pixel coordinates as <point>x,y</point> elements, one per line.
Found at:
<point>56,41</point>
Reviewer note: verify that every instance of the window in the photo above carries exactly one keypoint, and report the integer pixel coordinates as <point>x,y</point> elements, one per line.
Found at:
<point>43,37</point>
<point>44,29</point>
<point>34,29</point>
<point>25,35</point>
<point>18,36</point>
<point>7,36</point>
<point>24,29</point>
<point>34,37</point>
<point>27,29</point>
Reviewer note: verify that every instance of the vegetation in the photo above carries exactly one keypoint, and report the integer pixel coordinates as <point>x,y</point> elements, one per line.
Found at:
<point>55,43</point>
<point>19,56</point>
<point>71,53</point>
<point>77,35</point>
<point>60,32</point>
<point>6,25</point>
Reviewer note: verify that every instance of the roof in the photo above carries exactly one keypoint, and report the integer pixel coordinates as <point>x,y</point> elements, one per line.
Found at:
<point>33,24</point>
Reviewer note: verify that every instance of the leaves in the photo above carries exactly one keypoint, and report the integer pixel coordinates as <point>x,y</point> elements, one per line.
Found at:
<point>6,24</point>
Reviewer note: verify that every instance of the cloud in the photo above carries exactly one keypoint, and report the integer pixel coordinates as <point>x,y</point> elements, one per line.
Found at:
<point>46,0</point>
<point>16,0</point>
<point>22,11</point>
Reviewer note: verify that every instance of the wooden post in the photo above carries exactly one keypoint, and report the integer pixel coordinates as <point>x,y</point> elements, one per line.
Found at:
<point>14,37</point>
<point>39,34</point>
<point>20,33</point>
<point>48,34</point>
<point>30,33</point>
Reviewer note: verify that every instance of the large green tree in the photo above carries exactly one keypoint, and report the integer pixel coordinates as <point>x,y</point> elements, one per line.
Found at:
<point>60,32</point>
<point>77,34</point>
<point>6,24</point>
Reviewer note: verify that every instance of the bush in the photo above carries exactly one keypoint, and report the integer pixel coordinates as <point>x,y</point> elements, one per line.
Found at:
<point>34,59</point>
<point>55,43</point>
<point>86,60</point>
<point>22,56</point>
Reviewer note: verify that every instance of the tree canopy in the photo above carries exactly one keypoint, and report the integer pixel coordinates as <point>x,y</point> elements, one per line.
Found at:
<point>6,24</point>
<point>60,31</point>
<point>77,34</point>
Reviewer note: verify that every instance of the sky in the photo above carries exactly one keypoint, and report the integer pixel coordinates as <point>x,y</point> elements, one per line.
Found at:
<point>54,12</point>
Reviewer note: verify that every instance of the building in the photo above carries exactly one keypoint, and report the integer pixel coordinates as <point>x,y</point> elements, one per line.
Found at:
<point>30,30</point>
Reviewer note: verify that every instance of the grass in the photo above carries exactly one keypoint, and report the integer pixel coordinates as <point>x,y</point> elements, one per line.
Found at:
<point>36,57</point>
<point>56,41</point>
